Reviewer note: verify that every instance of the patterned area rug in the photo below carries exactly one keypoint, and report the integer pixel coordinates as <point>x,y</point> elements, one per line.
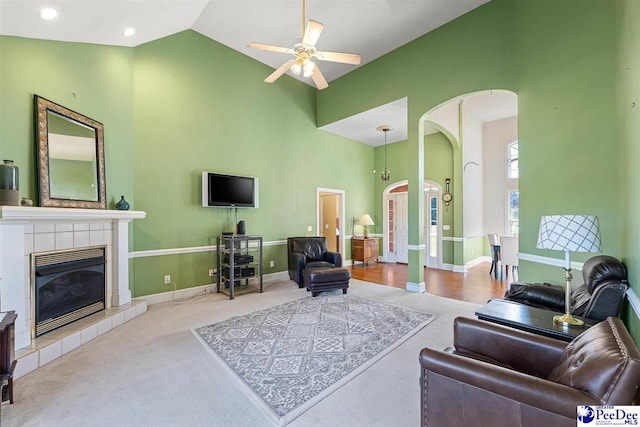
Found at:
<point>293,355</point>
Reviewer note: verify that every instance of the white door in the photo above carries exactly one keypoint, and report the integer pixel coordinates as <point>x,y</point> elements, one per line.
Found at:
<point>401,236</point>
<point>431,229</point>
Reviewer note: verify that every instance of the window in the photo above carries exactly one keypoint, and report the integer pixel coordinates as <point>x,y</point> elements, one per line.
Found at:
<point>512,160</point>
<point>513,212</point>
<point>433,227</point>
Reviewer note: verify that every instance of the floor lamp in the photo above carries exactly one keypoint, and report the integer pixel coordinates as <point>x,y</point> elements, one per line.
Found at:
<point>569,233</point>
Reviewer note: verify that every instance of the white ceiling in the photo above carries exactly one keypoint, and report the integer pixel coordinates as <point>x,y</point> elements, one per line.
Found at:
<point>370,28</point>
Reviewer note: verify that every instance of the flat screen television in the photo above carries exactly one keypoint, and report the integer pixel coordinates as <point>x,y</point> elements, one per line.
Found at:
<point>229,191</point>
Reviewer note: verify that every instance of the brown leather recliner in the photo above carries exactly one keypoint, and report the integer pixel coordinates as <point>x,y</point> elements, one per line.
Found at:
<point>498,376</point>
<point>309,252</point>
<point>601,295</point>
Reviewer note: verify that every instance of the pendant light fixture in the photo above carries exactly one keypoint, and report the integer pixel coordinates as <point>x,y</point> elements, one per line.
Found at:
<point>386,173</point>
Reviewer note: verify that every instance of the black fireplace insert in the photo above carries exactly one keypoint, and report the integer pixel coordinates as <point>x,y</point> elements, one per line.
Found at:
<point>67,286</point>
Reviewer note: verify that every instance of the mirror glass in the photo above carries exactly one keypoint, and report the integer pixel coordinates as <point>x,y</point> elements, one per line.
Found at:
<point>70,158</point>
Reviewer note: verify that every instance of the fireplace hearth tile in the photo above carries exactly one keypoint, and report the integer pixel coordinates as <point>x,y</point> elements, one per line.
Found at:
<point>104,326</point>
<point>71,342</point>
<point>45,348</point>
<point>51,352</point>
<point>27,361</point>
<point>117,319</point>
<point>89,333</point>
<point>129,314</point>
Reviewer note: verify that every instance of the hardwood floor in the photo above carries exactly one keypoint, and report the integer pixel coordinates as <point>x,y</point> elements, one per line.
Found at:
<point>474,286</point>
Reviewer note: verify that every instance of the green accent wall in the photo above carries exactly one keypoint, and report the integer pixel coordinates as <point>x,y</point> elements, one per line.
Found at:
<point>93,80</point>
<point>627,111</point>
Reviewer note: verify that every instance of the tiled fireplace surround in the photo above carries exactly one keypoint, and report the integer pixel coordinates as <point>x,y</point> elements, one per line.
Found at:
<point>27,230</point>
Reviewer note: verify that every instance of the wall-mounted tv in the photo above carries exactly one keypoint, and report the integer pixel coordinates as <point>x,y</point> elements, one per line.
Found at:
<point>229,191</point>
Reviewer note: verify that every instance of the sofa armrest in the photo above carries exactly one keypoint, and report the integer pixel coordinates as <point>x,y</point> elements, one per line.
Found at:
<point>297,261</point>
<point>334,258</point>
<point>523,351</point>
<point>537,295</point>
<point>526,389</point>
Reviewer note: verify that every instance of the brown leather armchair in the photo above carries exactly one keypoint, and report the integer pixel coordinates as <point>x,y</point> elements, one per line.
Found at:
<point>498,376</point>
<point>309,252</point>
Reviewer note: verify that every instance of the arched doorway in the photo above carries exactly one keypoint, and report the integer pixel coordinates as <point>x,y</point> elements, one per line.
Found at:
<point>396,220</point>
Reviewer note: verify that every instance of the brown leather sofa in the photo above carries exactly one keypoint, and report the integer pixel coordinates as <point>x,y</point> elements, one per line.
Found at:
<point>309,252</point>
<point>498,376</point>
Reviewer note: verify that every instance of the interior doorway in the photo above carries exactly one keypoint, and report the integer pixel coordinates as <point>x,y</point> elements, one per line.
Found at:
<point>396,224</point>
<point>330,218</point>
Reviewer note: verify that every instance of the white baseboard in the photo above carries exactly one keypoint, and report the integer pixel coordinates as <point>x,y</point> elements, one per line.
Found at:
<point>181,294</point>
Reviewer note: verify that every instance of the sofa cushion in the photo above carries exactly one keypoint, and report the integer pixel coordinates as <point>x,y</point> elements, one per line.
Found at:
<point>598,359</point>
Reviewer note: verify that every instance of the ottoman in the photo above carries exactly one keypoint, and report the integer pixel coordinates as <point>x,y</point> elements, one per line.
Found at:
<point>326,279</point>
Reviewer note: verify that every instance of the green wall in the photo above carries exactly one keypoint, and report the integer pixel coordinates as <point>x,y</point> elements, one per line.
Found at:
<point>628,113</point>
<point>202,106</point>
<point>90,79</point>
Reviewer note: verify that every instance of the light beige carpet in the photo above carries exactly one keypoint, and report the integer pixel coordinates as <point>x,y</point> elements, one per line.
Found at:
<point>153,372</point>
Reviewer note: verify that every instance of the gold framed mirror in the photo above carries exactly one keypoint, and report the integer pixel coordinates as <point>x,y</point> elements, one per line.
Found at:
<point>70,150</point>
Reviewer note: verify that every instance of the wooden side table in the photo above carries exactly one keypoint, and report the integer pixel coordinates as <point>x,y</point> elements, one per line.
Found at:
<point>364,250</point>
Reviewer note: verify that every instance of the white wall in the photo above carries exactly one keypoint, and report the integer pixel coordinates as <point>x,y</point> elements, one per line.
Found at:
<point>473,191</point>
<point>496,135</point>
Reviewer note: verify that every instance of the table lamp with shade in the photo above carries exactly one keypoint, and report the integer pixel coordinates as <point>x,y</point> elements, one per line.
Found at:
<point>366,221</point>
<point>569,233</point>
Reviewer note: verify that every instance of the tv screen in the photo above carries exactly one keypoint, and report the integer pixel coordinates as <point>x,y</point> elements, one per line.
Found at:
<point>229,191</point>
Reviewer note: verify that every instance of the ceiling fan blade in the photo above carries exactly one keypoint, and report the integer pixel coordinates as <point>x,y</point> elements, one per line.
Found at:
<point>312,32</point>
<point>319,79</point>
<point>280,71</point>
<point>270,47</point>
<point>345,58</point>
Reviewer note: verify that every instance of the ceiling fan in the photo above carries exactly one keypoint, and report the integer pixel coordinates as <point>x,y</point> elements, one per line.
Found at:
<point>304,52</point>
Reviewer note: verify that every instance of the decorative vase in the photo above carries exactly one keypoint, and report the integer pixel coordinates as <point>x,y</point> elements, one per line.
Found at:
<point>122,205</point>
<point>9,184</point>
<point>26,202</point>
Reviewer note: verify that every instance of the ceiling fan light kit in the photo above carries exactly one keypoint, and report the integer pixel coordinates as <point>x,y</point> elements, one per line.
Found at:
<point>304,52</point>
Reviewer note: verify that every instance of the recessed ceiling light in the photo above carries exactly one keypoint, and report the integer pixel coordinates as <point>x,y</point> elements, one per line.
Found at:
<point>129,31</point>
<point>48,13</point>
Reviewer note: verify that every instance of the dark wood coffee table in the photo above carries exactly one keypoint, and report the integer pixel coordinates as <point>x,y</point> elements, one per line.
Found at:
<point>530,319</point>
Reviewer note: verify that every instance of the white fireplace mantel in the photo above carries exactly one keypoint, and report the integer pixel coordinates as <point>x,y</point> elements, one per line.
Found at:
<point>25,230</point>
